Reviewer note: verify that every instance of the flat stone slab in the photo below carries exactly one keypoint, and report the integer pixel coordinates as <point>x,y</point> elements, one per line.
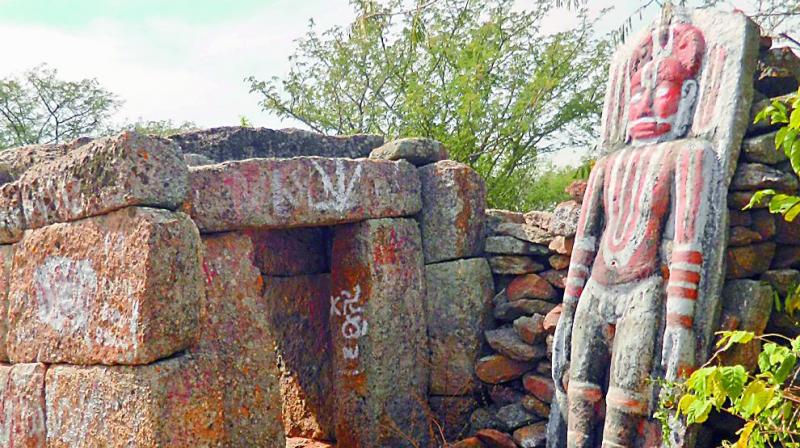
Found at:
<point>102,176</point>
<point>15,161</point>
<point>174,402</point>
<point>453,211</point>
<point>380,343</point>
<point>417,151</point>
<point>122,288</point>
<point>298,310</point>
<point>459,308</point>
<point>238,143</point>
<point>235,329</point>
<point>22,420</point>
<point>300,192</point>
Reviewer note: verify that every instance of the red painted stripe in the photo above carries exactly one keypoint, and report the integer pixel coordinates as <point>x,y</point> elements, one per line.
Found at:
<point>679,320</point>
<point>686,293</point>
<point>573,291</point>
<point>687,256</point>
<point>685,276</point>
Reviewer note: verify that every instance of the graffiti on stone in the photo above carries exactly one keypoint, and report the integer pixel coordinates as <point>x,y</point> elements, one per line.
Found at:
<point>354,325</point>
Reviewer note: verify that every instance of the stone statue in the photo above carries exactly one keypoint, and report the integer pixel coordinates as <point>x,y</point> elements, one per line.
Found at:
<point>647,254</point>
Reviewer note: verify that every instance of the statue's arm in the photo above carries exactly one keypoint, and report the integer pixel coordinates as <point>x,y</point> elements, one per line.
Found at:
<point>583,253</point>
<point>694,173</point>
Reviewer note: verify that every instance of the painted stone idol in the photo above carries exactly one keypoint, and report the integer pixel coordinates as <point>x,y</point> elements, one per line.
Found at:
<point>641,290</point>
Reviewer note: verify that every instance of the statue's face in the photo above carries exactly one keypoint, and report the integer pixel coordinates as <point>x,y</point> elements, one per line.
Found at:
<point>663,90</point>
<point>655,99</point>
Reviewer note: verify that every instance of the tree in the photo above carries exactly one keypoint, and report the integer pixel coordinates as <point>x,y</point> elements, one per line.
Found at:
<point>40,108</point>
<point>161,128</point>
<point>479,76</point>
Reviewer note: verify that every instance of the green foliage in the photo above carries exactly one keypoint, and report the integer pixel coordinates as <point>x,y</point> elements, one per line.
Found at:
<point>544,190</point>
<point>786,140</point>
<point>162,128</point>
<point>478,76</point>
<point>767,401</point>
<point>38,107</point>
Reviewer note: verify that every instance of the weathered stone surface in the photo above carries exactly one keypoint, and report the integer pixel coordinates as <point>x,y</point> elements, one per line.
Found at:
<point>544,367</point>
<point>737,200</point>
<point>15,161</point>
<point>197,160</point>
<point>484,418</point>
<point>539,386</point>
<point>453,211</point>
<point>235,330</point>
<point>764,223</point>
<point>495,439</point>
<point>739,218</point>
<point>742,236</point>
<point>300,192</point>
<point>551,319</point>
<point>558,261</point>
<point>459,304</point>
<point>506,342</point>
<point>495,369</point>
<point>287,252</point>
<point>525,232</point>
<point>787,232</point>
<point>530,329</point>
<point>786,257</point>
<point>105,175</point>
<point>537,218</point>
<point>535,405</point>
<point>531,436</point>
<point>755,176</point>
<point>469,442</point>
<point>576,190</point>
<point>22,420</point>
<point>748,261</point>
<point>530,286</point>
<point>298,310</point>
<point>301,442</point>
<point>514,416</point>
<point>761,149</point>
<point>504,394</point>
<point>508,245</point>
<point>173,402</point>
<point>514,265</point>
<point>510,311</point>
<point>565,218</point>
<point>495,217</point>
<point>122,288</point>
<point>556,278</point>
<point>6,259</point>
<point>12,219</point>
<point>378,325</point>
<point>453,413</point>
<point>238,143</point>
<point>782,280</point>
<point>417,151</point>
<point>562,245</point>
<point>746,306</point>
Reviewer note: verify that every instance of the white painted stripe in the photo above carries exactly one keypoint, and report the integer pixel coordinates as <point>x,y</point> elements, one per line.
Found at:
<point>679,305</point>
<point>680,284</point>
<point>579,268</point>
<point>687,247</point>
<point>587,243</point>
<point>686,266</point>
<point>575,281</point>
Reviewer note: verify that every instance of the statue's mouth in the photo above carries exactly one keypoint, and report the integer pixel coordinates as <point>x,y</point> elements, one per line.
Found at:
<point>649,127</point>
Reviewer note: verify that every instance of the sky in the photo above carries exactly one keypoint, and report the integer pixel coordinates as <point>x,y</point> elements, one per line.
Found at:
<point>186,60</point>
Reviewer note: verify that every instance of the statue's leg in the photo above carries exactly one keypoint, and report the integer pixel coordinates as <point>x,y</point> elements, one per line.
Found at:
<point>630,391</point>
<point>591,334</point>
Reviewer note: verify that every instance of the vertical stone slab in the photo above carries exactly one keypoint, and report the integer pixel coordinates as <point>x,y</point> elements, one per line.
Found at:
<point>235,331</point>
<point>6,259</point>
<point>298,309</point>
<point>453,211</point>
<point>459,309</point>
<point>377,318</point>
<point>122,288</point>
<point>175,402</point>
<point>22,414</point>
<point>12,221</point>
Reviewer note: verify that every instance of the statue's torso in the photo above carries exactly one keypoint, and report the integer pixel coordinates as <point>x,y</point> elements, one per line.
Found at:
<point>636,200</point>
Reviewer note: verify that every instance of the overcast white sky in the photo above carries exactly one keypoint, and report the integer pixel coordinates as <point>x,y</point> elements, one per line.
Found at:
<point>183,60</point>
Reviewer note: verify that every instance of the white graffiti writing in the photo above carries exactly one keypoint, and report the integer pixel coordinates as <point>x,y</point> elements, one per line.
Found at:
<point>354,326</point>
<point>336,187</point>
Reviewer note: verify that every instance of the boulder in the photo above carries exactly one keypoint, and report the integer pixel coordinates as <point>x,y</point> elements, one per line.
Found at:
<point>747,305</point>
<point>748,261</point>
<point>757,176</point>
<point>761,149</point>
<point>506,342</point>
<point>23,421</point>
<point>530,286</point>
<point>508,245</point>
<point>565,219</point>
<point>495,369</point>
<point>515,416</point>
<point>531,436</point>
<point>530,329</point>
<point>514,265</point>
<point>416,151</point>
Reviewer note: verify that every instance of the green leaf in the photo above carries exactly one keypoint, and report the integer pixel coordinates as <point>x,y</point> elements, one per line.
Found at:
<point>794,119</point>
<point>698,411</point>
<point>755,397</point>
<point>758,197</point>
<point>685,402</point>
<point>744,435</point>
<point>734,337</point>
<point>733,380</point>
<point>796,344</point>
<point>780,136</point>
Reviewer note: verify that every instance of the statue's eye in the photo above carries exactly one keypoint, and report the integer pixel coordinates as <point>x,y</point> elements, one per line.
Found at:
<point>662,92</point>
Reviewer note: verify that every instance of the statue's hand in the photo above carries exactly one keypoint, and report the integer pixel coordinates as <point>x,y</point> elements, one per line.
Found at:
<point>678,353</point>
<point>562,345</point>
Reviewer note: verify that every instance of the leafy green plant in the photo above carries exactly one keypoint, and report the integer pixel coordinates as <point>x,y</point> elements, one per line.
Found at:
<point>786,112</point>
<point>767,401</point>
